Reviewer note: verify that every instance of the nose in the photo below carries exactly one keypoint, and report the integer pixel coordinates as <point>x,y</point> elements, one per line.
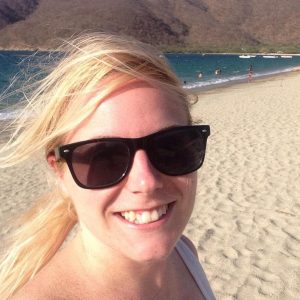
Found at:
<point>143,177</point>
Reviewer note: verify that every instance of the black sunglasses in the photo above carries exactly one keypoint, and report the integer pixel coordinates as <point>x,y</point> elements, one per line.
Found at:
<point>104,162</point>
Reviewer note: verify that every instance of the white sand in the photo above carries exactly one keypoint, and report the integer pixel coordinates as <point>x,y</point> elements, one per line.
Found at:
<point>246,223</point>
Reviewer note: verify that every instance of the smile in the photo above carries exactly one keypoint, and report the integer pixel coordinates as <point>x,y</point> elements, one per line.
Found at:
<point>146,216</point>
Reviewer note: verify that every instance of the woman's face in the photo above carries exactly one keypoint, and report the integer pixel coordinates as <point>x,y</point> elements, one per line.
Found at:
<point>135,110</point>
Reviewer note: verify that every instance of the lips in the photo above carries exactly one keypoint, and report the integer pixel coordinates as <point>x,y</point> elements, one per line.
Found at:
<point>145,216</point>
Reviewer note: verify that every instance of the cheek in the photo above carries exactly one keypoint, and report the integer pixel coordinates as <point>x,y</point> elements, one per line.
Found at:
<point>183,188</point>
<point>192,185</point>
<point>187,185</point>
<point>90,205</point>
<point>82,199</point>
<point>188,188</point>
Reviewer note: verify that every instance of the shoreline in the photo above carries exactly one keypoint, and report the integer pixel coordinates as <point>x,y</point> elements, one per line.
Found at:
<point>224,85</point>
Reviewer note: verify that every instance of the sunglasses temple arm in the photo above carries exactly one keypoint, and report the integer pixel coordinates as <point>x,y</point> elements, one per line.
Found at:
<point>57,154</point>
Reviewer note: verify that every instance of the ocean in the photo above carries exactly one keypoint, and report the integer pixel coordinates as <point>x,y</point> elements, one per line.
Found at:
<point>233,67</point>
<point>18,68</point>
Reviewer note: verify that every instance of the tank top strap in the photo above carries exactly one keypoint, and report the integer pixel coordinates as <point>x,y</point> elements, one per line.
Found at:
<point>195,268</point>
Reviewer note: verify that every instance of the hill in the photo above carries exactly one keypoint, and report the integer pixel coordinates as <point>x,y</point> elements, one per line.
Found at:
<point>200,25</point>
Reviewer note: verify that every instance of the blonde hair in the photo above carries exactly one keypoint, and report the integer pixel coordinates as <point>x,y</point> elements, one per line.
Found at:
<point>55,108</point>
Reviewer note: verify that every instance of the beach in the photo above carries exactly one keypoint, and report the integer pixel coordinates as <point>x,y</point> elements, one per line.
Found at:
<point>245,224</point>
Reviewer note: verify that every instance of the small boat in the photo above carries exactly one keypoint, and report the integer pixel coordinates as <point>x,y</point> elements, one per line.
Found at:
<point>270,56</point>
<point>244,56</point>
<point>286,56</point>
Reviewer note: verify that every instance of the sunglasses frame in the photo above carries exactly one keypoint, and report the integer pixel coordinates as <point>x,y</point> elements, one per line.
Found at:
<point>65,152</point>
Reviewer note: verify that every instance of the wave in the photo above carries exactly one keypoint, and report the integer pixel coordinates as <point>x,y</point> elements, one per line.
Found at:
<point>9,114</point>
<point>232,79</point>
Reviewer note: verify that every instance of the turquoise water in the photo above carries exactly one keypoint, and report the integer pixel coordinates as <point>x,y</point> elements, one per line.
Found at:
<point>233,68</point>
<point>20,68</point>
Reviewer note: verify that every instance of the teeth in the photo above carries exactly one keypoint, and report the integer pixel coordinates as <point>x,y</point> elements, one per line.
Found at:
<point>154,215</point>
<point>131,216</point>
<point>146,216</point>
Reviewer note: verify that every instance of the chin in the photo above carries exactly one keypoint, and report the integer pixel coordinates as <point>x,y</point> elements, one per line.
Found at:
<point>153,251</point>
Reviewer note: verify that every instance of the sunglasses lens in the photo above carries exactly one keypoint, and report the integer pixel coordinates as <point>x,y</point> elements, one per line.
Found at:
<point>178,152</point>
<point>100,164</point>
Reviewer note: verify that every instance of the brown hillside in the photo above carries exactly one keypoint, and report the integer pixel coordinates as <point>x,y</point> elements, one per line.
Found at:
<point>173,23</point>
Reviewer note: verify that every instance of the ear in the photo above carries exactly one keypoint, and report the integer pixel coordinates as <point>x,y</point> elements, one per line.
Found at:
<point>54,164</point>
<point>58,170</point>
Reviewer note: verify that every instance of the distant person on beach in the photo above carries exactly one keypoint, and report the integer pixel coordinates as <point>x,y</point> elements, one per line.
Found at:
<point>218,72</point>
<point>114,127</point>
<point>250,73</point>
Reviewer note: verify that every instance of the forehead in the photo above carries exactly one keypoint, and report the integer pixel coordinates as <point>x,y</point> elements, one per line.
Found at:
<point>134,110</point>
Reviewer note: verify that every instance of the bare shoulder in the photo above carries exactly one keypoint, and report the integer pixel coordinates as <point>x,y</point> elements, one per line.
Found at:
<point>32,291</point>
<point>190,244</point>
<point>39,288</point>
<point>49,283</point>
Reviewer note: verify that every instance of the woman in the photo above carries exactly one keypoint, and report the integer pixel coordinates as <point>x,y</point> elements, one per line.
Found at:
<point>116,131</point>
